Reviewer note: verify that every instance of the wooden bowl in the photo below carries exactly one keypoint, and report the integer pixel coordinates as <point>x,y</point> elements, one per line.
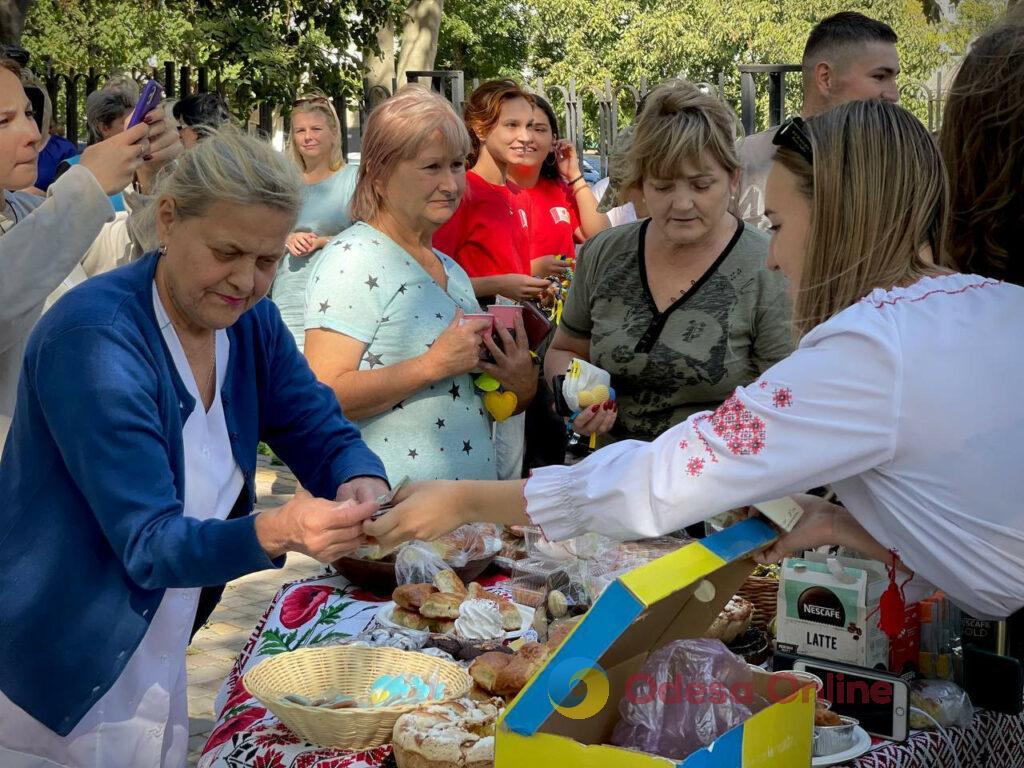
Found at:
<point>379,575</point>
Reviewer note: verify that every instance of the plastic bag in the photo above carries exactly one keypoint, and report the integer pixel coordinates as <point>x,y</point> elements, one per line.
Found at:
<point>586,385</point>
<point>687,694</point>
<point>944,700</point>
<point>467,543</point>
<point>417,563</point>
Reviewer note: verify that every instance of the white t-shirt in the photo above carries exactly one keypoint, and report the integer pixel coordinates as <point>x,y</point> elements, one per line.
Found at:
<point>908,403</point>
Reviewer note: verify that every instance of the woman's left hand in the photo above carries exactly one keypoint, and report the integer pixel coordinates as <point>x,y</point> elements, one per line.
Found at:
<point>362,489</point>
<point>567,159</point>
<point>424,511</point>
<point>513,363</point>
<point>817,526</point>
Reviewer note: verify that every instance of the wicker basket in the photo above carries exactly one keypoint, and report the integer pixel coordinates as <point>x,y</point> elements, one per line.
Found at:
<point>763,592</point>
<point>311,671</point>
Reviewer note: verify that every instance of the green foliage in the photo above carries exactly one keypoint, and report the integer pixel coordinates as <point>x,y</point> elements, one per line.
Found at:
<point>484,38</point>
<point>262,50</point>
<point>108,35</point>
<point>626,40</point>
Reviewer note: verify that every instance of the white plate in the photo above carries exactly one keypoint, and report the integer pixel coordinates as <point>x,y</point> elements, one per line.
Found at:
<point>861,744</point>
<point>383,618</point>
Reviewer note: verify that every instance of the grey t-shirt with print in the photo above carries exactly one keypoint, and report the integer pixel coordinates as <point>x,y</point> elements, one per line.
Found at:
<point>731,326</point>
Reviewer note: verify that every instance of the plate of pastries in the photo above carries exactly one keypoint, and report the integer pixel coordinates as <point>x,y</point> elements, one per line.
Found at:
<point>448,606</point>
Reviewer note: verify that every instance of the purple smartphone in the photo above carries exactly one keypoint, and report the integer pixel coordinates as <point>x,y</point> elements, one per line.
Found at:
<point>150,97</point>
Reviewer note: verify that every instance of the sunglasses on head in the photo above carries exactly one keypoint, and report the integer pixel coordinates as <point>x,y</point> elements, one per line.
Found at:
<point>310,100</point>
<point>792,134</point>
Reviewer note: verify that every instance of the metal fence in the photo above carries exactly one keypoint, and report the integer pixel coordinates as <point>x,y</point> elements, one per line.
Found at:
<point>601,107</point>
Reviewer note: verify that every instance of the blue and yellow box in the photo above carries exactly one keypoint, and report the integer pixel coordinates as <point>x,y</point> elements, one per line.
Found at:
<point>565,715</point>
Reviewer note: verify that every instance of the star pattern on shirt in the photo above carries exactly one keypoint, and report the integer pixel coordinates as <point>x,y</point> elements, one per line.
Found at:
<point>347,247</point>
<point>454,391</point>
<point>467,446</point>
<point>372,360</point>
<point>324,306</point>
<point>371,281</point>
<point>385,319</point>
<point>402,289</point>
<point>439,316</point>
<point>375,242</point>
<point>440,423</point>
<point>412,453</point>
<point>316,279</point>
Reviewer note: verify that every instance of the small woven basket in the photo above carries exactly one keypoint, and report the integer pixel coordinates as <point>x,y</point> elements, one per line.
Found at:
<point>310,672</point>
<point>763,592</point>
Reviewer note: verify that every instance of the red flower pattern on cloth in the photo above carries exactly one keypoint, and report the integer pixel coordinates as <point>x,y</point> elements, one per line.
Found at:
<point>742,431</point>
<point>366,596</point>
<point>782,397</point>
<point>271,759</point>
<point>279,735</point>
<point>763,385</point>
<point>683,445</point>
<point>239,696</point>
<point>336,758</point>
<point>303,604</point>
<point>241,722</point>
<point>695,466</point>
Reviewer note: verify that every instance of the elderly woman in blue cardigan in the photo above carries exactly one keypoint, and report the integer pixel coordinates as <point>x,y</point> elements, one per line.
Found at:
<point>128,474</point>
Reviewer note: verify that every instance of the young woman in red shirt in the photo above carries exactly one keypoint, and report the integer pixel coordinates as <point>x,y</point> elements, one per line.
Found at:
<point>488,235</point>
<point>562,209</point>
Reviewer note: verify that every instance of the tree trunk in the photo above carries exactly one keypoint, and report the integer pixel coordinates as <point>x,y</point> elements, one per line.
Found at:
<point>12,20</point>
<point>419,37</point>
<point>380,69</point>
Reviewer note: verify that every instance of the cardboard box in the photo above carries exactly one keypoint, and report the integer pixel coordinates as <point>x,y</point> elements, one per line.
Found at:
<point>675,597</point>
<point>824,612</point>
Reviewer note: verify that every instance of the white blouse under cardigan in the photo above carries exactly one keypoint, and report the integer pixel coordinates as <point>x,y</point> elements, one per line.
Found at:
<point>142,721</point>
<point>909,403</point>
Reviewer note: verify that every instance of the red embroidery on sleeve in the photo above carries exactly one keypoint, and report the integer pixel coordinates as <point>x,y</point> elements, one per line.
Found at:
<point>683,445</point>
<point>695,466</point>
<point>763,385</point>
<point>782,397</point>
<point>742,431</point>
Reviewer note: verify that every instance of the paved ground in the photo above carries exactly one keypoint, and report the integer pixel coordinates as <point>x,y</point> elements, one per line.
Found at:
<point>218,643</point>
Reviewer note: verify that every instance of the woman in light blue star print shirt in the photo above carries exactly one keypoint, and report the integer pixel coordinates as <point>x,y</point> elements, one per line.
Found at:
<point>384,311</point>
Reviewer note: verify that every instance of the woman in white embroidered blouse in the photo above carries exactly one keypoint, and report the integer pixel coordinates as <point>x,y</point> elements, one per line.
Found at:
<point>904,392</point>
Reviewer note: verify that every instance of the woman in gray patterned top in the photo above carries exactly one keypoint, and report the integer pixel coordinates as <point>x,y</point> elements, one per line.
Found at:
<point>678,307</point>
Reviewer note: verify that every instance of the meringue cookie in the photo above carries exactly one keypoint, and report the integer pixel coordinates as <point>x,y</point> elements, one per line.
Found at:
<point>479,620</point>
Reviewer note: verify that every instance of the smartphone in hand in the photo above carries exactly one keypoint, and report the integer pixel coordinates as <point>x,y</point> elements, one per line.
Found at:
<point>149,99</point>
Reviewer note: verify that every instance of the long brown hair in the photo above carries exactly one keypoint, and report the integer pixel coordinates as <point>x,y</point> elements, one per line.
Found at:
<point>483,110</point>
<point>879,197</point>
<point>982,141</point>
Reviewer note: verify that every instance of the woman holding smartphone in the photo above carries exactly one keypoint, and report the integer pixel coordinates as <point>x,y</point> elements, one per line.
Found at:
<point>901,393</point>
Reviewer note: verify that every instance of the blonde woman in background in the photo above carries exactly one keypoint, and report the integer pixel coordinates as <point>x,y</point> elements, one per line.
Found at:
<point>903,393</point>
<point>314,143</point>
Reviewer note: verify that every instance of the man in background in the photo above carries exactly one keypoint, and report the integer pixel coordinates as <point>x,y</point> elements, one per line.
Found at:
<point>848,57</point>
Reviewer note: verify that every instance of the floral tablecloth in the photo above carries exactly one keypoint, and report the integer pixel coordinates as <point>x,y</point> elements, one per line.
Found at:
<point>325,608</point>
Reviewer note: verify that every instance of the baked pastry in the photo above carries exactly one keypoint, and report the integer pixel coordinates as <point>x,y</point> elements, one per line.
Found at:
<point>410,619</point>
<point>511,619</point>
<point>442,626</point>
<point>826,717</point>
<point>732,621</point>
<point>449,581</point>
<point>442,605</point>
<point>485,669</point>
<point>451,734</point>
<point>522,666</point>
<point>411,596</point>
